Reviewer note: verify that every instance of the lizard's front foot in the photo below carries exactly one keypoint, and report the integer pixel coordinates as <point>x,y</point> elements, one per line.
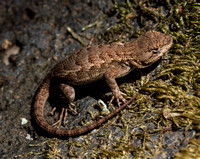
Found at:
<point>118,95</point>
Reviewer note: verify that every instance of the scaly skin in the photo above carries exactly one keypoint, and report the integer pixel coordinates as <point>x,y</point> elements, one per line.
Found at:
<point>92,63</point>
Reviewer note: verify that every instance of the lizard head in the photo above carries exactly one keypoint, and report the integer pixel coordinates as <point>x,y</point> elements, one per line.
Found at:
<point>152,45</point>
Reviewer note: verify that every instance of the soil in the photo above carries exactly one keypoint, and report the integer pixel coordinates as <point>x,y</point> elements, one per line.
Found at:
<point>39,29</point>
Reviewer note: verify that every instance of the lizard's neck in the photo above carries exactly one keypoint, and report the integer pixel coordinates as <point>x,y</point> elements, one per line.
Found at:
<point>130,49</point>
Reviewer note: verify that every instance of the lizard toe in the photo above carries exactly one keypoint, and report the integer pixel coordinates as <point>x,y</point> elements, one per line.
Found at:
<point>118,96</point>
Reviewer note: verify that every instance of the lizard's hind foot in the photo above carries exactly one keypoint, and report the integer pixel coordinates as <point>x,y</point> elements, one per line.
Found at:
<point>63,115</point>
<point>59,122</point>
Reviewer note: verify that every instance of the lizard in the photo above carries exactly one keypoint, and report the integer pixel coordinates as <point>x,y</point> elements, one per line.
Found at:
<point>96,62</point>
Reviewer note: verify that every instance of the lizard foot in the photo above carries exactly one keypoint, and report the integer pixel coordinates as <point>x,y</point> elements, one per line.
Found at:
<point>63,114</point>
<point>72,109</point>
<point>118,96</point>
<point>53,111</point>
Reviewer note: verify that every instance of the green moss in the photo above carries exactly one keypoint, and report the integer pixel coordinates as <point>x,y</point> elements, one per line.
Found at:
<point>192,150</point>
<point>175,87</point>
<point>49,150</point>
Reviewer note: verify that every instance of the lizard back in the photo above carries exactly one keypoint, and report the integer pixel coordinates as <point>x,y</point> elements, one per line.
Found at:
<point>89,63</point>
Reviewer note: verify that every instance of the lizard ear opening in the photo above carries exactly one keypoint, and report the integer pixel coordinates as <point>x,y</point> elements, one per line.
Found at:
<point>155,51</point>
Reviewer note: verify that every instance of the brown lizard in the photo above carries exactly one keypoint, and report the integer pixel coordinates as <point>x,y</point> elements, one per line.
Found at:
<point>92,63</point>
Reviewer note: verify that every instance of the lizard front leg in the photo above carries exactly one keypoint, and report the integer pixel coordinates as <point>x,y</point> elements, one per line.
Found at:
<point>110,76</point>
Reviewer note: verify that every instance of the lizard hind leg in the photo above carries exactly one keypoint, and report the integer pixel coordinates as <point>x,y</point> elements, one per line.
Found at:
<point>69,94</point>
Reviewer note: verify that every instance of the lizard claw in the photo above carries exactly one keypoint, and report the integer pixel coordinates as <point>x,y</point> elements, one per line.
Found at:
<point>118,96</point>
<point>60,118</point>
<point>63,114</point>
<point>72,109</point>
<point>53,111</point>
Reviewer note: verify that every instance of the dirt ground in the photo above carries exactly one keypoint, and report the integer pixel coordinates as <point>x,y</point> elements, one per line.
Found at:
<point>39,29</point>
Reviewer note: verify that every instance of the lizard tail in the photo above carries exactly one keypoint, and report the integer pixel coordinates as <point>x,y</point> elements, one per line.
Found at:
<point>40,99</point>
<point>87,128</point>
<point>38,113</point>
